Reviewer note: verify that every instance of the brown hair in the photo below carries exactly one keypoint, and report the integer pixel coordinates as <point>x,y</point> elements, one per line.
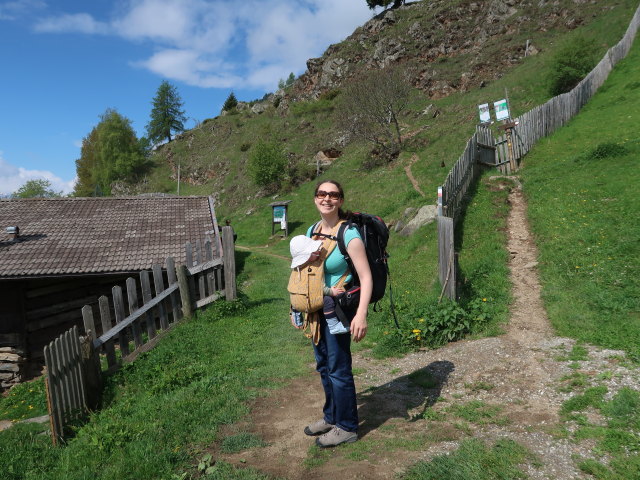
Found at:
<point>341,213</point>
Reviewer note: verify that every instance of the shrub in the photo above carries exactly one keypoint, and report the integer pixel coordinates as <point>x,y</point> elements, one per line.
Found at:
<point>606,150</point>
<point>312,107</point>
<point>571,64</point>
<point>431,324</point>
<point>267,164</point>
<point>330,94</point>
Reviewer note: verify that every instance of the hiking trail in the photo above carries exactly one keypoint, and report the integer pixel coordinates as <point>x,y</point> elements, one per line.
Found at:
<point>517,374</point>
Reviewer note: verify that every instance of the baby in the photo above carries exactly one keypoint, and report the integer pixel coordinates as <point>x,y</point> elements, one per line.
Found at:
<point>304,250</point>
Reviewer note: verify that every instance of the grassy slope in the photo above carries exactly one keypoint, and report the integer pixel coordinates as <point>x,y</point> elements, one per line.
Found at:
<point>585,213</point>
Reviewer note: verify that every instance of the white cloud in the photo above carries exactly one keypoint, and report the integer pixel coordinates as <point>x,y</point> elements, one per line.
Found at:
<point>19,8</point>
<point>77,23</point>
<point>225,43</point>
<point>12,178</point>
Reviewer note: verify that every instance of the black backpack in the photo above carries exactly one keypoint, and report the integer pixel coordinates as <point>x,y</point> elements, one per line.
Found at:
<point>375,236</point>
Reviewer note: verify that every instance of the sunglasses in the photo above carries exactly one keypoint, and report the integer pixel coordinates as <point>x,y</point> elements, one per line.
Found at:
<point>332,195</point>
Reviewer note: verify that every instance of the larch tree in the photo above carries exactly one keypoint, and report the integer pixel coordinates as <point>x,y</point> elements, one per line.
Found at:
<point>371,106</point>
<point>167,116</point>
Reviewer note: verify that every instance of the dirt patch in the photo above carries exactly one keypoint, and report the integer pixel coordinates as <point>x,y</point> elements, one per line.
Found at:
<point>517,375</point>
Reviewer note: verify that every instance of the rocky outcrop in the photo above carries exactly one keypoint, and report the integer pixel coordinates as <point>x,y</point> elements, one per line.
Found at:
<point>424,36</point>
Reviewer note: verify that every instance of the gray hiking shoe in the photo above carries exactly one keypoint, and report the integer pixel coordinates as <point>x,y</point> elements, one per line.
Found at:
<point>335,437</point>
<point>318,428</point>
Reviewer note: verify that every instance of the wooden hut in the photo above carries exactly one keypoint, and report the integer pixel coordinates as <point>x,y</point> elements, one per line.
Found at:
<point>57,255</point>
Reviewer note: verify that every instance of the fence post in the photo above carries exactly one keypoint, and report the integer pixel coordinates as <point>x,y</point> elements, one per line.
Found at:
<point>229,261</point>
<point>185,291</point>
<point>92,370</point>
<point>446,257</point>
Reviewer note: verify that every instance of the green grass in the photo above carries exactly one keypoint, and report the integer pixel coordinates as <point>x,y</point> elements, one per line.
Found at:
<point>478,412</point>
<point>618,438</point>
<point>474,461</point>
<point>25,400</point>
<point>581,186</point>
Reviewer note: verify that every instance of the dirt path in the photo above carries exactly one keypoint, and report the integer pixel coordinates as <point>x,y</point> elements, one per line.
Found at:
<point>518,374</point>
<point>412,179</point>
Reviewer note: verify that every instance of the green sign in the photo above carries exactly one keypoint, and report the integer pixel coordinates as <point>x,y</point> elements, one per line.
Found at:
<point>278,214</point>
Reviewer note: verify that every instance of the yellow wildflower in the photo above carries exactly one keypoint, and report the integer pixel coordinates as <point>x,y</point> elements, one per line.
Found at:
<point>416,330</point>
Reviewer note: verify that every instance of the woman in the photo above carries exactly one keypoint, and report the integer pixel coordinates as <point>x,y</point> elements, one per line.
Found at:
<point>333,352</point>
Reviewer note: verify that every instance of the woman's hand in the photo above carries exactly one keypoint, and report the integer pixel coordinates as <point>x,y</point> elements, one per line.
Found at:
<point>335,291</point>
<point>359,326</point>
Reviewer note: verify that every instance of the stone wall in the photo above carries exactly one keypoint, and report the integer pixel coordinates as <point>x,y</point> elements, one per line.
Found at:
<point>11,367</point>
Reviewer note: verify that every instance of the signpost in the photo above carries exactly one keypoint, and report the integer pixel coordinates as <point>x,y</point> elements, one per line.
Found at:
<point>502,109</point>
<point>280,217</point>
<point>485,116</point>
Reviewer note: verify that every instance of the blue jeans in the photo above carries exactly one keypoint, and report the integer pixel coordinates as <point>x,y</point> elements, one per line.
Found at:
<point>333,363</point>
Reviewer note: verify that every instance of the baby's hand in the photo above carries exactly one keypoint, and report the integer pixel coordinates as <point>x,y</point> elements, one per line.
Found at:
<point>335,291</point>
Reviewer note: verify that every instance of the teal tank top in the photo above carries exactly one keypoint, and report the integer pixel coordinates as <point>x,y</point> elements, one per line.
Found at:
<point>335,265</point>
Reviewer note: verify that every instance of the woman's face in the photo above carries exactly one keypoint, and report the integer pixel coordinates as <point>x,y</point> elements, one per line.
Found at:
<point>328,199</point>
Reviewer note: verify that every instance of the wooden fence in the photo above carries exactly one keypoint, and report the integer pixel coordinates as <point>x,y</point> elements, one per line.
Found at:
<point>506,151</point>
<point>73,363</point>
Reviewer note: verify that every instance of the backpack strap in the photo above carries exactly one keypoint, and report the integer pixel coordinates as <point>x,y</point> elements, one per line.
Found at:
<point>343,250</point>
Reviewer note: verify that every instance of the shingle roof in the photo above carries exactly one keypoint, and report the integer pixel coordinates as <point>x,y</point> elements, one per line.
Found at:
<point>91,235</point>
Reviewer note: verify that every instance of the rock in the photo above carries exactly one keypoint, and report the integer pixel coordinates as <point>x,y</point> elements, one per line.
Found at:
<point>408,213</point>
<point>9,367</point>
<point>259,108</point>
<point>425,215</point>
<point>388,50</point>
<point>10,357</point>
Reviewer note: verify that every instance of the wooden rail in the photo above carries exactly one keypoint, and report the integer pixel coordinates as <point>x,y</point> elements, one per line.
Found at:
<point>72,362</point>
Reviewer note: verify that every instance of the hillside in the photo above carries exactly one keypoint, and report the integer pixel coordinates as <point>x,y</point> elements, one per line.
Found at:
<point>459,54</point>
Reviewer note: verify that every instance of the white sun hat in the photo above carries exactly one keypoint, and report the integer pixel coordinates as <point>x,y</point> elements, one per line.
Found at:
<point>301,248</point>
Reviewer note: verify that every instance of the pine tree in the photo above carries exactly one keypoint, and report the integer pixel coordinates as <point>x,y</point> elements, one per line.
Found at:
<point>384,3</point>
<point>167,115</point>
<point>230,103</point>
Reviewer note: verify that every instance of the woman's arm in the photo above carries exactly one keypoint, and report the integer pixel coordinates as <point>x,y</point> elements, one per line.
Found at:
<point>361,264</point>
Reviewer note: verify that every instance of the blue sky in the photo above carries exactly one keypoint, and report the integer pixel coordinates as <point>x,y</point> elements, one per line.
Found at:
<point>64,62</point>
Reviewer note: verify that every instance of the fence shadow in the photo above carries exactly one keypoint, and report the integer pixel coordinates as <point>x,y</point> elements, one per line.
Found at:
<point>398,397</point>
<point>241,258</point>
